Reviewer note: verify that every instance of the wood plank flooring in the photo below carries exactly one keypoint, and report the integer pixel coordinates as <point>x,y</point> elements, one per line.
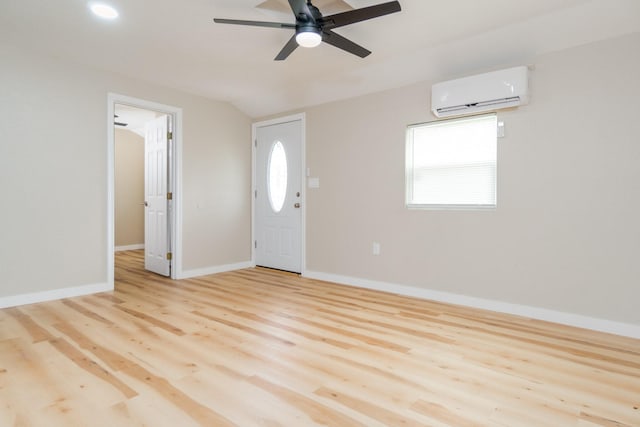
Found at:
<point>263,348</point>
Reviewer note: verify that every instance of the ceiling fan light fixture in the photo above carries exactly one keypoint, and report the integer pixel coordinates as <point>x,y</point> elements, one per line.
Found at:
<point>308,37</point>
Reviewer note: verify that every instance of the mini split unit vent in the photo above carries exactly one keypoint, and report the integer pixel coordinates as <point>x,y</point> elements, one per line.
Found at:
<point>483,92</point>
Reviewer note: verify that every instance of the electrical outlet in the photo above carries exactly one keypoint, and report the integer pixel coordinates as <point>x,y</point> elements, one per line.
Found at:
<point>376,248</point>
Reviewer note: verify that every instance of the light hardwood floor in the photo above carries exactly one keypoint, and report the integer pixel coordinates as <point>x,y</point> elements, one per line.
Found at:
<point>263,348</point>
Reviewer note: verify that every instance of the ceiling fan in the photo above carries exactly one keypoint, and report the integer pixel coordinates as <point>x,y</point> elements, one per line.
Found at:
<point>311,28</point>
<point>115,116</point>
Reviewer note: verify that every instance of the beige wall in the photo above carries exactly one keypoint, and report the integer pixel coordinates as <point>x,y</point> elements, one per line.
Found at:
<point>129,188</point>
<point>53,174</point>
<point>566,233</point>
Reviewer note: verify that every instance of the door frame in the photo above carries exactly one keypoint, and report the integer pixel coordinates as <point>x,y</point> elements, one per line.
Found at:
<point>303,177</point>
<point>175,180</point>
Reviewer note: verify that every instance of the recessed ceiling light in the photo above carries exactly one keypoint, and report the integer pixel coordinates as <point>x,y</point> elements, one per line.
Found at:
<point>104,11</point>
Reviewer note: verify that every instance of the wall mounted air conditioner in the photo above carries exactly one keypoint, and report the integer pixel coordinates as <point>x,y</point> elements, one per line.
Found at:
<point>482,92</point>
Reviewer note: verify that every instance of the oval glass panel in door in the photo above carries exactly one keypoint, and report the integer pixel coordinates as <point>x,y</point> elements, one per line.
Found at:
<point>277,176</point>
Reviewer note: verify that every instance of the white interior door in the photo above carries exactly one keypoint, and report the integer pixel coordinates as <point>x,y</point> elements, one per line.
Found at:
<point>156,170</point>
<point>278,213</point>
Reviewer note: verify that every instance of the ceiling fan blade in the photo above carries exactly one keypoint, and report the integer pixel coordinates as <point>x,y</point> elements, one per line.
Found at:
<point>119,123</point>
<point>340,42</point>
<point>255,23</point>
<point>358,15</point>
<point>302,11</point>
<point>288,48</point>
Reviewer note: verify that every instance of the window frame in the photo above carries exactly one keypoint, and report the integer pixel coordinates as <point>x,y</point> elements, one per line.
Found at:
<point>409,169</point>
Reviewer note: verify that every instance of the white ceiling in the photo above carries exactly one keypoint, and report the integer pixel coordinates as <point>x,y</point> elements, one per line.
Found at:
<point>176,44</point>
<point>135,119</point>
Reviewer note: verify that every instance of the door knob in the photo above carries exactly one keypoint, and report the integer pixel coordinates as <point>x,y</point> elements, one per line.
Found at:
<point>297,206</point>
<point>145,203</point>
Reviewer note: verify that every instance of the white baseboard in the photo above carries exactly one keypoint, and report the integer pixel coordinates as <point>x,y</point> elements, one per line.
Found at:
<point>129,247</point>
<point>55,294</point>
<point>602,325</point>
<point>188,274</point>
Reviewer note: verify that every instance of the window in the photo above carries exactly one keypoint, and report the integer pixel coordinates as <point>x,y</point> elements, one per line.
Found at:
<point>277,178</point>
<point>452,163</point>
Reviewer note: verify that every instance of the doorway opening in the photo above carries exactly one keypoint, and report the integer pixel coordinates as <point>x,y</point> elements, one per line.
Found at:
<point>144,176</point>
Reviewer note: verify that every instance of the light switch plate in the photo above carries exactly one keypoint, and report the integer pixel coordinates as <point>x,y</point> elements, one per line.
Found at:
<point>313,182</point>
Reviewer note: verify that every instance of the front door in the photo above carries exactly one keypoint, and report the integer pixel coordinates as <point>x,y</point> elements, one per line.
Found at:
<point>156,223</point>
<point>278,196</point>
